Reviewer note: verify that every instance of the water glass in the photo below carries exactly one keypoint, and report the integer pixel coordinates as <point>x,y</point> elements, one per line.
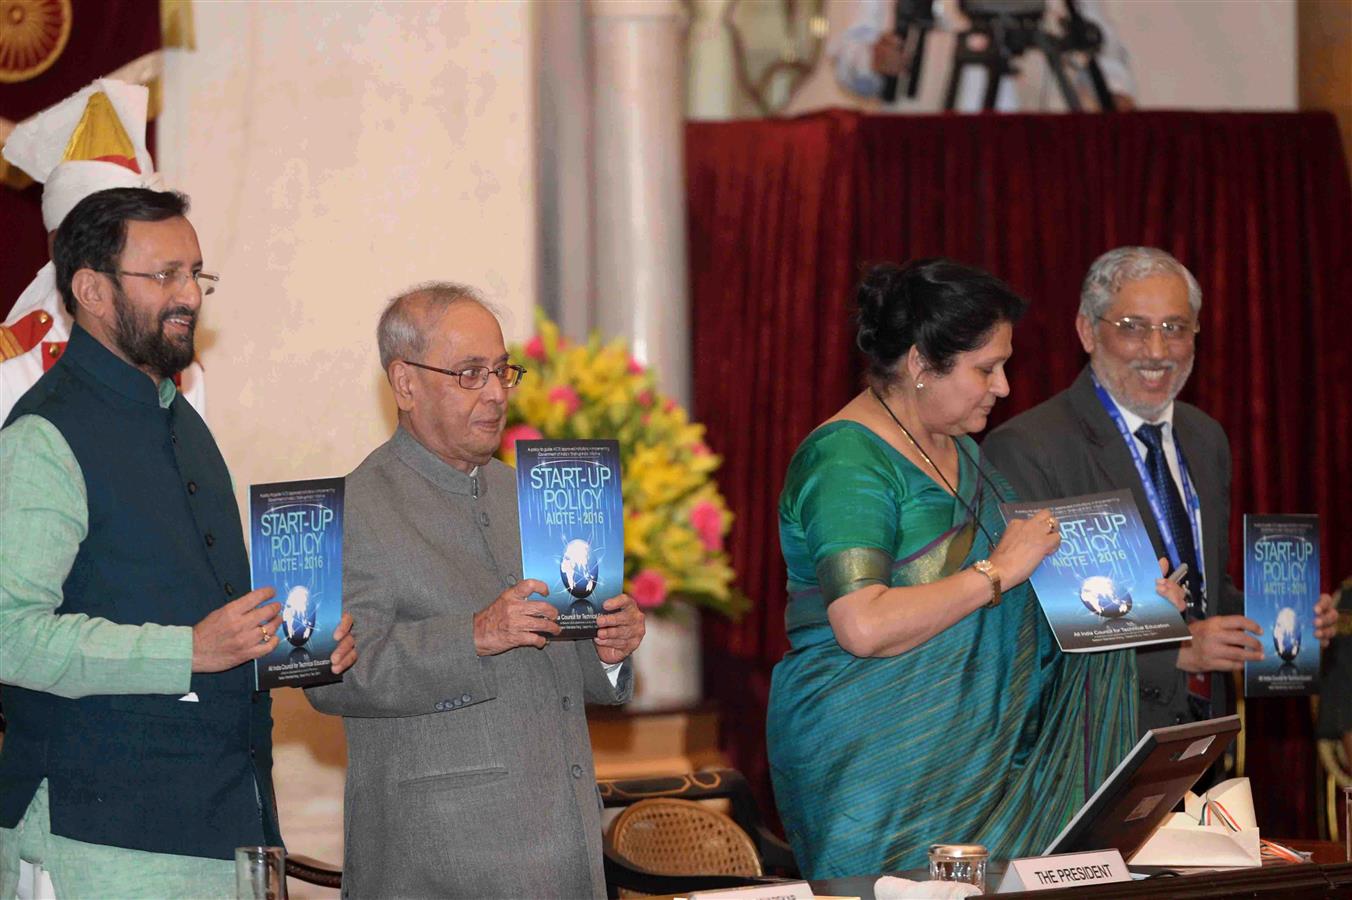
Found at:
<point>260,873</point>
<point>959,862</point>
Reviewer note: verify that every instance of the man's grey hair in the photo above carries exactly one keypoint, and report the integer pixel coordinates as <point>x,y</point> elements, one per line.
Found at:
<point>1124,265</point>
<point>408,317</point>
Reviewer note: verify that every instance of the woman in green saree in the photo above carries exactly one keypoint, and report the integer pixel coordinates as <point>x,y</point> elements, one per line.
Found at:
<point>924,699</point>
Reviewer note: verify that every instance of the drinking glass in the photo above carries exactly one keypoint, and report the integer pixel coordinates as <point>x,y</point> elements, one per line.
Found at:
<point>959,862</point>
<point>260,873</point>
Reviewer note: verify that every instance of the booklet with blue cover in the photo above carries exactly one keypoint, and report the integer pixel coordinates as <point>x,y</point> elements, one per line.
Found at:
<point>1098,590</point>
<point>572,526</point>
<point>296,542</point>
<point>1281,588</point>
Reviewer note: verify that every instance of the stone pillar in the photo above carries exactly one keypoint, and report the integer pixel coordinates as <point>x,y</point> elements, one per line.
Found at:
<point>638,179</point>
<point>564,164</point>
<point>640,273</point>
<point>711,94</point>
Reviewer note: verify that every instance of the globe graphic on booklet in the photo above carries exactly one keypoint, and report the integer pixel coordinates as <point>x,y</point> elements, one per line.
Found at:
<point>298,615</point>
<point>1103,597</point>
<point>579,568</point>
<point>1286,634</point>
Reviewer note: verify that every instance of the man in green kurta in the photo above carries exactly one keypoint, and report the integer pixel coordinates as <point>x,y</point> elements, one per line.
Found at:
<point>137,755</point>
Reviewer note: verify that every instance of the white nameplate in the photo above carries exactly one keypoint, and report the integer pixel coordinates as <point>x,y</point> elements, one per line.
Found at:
<point>789,890</point>
<point>1046,873</point>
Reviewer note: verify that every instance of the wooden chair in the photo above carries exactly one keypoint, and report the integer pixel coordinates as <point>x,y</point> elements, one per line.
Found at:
<point>681,837</point>
<point>313,871</point>
<point>1338,774</point>
<point>772,856</point>
<point>677,848</point>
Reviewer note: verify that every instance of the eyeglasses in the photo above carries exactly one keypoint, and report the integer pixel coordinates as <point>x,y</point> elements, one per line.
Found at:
<point>475,378</point>
<point>176,278</point>
<point>1134,329</point>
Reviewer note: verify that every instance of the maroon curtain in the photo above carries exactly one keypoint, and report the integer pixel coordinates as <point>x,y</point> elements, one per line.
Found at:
<point>783,214</point>
<point>104,35</point>
<point>772,207</point>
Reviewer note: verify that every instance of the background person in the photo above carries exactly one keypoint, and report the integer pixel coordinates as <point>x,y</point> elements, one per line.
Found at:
<point>870,50</point>
<point>1335,690</point>
<point>91,141</point>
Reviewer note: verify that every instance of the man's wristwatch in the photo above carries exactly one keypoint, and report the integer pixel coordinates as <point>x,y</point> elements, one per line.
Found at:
<point>987,568</point>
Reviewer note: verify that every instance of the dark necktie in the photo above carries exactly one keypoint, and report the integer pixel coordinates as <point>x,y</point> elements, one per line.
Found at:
<point>1177,520</point>
<point>1179,523</point>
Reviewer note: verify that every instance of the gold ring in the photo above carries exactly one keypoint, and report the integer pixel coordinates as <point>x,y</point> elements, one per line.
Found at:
<point>264,632</point>
<point>1051,524</point>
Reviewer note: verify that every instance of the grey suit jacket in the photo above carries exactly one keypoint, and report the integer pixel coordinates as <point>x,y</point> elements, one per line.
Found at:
<point>467,776</point>
<point>1067,446</point>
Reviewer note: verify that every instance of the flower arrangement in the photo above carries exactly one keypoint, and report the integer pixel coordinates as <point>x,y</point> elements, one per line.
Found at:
<point>675,518</point>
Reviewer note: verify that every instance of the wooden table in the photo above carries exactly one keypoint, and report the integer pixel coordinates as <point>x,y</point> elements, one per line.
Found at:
<point>1328,876</point>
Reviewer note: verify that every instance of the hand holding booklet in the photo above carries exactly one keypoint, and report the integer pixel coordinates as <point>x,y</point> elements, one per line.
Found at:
<point>1281,588</point>
<point>1098,590</point>
<point>572,526</point>
<point>296,538</point>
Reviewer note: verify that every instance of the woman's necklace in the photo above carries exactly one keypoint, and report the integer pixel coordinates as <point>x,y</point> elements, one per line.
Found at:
<point>971,511</point>
<point>916,444</point>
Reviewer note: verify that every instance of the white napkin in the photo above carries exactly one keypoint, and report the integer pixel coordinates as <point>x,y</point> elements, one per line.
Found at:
<point>889,887</point>
<point>1181,840</point>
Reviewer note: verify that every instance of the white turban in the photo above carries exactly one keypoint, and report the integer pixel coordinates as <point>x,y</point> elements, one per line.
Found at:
<point>38,146</point>
<point>71,182</point>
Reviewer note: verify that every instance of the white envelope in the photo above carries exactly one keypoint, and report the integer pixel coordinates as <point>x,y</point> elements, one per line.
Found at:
<point>1182,841</point>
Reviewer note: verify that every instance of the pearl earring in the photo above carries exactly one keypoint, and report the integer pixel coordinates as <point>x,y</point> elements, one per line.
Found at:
<point>920,385</point>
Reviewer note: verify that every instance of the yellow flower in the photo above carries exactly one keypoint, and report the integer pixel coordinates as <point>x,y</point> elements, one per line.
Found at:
<point>639,528</point>
<point>679,549</point>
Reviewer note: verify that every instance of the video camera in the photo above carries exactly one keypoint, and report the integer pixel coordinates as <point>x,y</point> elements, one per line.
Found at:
<point>999,33</point>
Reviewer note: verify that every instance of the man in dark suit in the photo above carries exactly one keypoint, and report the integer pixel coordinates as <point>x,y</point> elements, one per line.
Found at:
<point>1335,689</point>
<point>1119,426</point>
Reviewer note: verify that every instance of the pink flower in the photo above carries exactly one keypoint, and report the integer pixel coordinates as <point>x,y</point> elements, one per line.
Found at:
<point>707,520</point>
<point>645,398</point>
<point>535,348</point>
<point>567,396</point>
<point>648,588</point>
<point>518,433</point>
<point>635,367</point>
<point>701,449</point>
<point>670,405</point>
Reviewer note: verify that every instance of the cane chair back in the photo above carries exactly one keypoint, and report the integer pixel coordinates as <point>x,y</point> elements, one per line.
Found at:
<point>1338,774</point>
<point>681,837</point>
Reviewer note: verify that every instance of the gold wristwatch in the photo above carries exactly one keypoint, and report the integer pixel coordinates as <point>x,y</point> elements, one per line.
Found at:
<point>987,568</point>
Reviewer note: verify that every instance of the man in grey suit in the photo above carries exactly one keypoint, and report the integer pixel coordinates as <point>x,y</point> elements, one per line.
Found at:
<point>469,764</point>
<point>1119,426</point>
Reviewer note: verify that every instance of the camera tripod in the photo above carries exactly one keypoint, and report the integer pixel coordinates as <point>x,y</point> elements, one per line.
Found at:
<point>1003,30</point>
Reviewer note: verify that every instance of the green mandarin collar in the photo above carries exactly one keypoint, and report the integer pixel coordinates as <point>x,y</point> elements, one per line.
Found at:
<point>85,352</point>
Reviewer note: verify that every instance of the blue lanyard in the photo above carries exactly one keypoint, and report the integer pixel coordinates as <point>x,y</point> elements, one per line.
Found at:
<point>1151,495</point>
